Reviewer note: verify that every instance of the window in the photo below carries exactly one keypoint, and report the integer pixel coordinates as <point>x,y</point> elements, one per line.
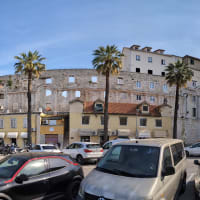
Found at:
<point>71,79</point>
<point>123,95</point>
<point>138,84</point>
<point>102,120</point>
<point>37,147</point>
<point>162,73</point>
<point>34,168</point>
<point>151,85</point>
<point>194,112</point>
<point>143,121</point>
<point>192,61</point>
<point>120,81</point>
<point>56,164</point>
<point>138,97</point>
<point>137,57</point>
<point>158,122</point>
<point>1,96</point>
<point>48,93</point>
<point>13,123</point>
<point>94,79</point>
<point>25,123</point>
<point>123,121</point>
<point>85,120</point>
<point>178,152</point>
<point>165,88</point>
<point>150,59</point>
<point>163,62</point>
<point>1,123</point>
<point>44,122</point>
<point>48,81</point>
<point>152,99</point>
<point>52,122</point>
<point>85,138</point>
<point>150,71</point>
<point>145,108</point>
<point>98,107</point>
<point>167,160</point>
<point>194,83</point>
<point>138,70</point>
<point>77,93</point>
<point>64,94</point>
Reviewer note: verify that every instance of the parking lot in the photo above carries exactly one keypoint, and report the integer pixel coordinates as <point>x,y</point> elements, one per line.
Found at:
<point>191,170</point>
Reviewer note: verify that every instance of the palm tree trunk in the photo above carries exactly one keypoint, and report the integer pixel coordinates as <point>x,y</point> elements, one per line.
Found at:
<point>106,109</point>
<point>29,108</point>
<point>176,112</point>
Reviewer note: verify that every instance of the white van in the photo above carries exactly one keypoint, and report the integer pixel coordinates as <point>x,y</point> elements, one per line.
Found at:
<point>151,169</point>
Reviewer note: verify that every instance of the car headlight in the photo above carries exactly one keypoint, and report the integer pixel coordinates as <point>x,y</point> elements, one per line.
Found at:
<point>81,192</point>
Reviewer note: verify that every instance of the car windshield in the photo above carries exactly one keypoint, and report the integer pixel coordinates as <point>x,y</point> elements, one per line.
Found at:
<point>48,147</point>
<point>131,160</point>
<point>9,165</point>
<point>93,146</point>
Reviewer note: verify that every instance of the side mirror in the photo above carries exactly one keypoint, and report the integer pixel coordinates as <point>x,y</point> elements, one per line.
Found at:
<point>168,171</point>
<point>20,179</point>
<point>196,162</point>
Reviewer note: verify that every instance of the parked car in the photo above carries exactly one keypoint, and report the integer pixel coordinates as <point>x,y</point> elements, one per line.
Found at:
<point>45,148</point>
<point>193,150</point>
<point>82,151</point>
<point>142,169</point>
<point>31,176</point>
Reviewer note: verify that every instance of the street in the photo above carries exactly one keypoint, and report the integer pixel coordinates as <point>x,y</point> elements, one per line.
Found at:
<point>191,170</point>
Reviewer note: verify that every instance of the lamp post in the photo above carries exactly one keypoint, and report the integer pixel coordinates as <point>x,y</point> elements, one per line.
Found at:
<point>137,111</point>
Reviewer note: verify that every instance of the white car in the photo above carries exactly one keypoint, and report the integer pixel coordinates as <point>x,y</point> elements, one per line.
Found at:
<point>193,150</point>
<point>45,148</point>
<point>82,151</point>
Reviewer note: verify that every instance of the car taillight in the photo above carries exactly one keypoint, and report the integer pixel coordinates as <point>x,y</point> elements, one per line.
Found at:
<point>101,150</point>
<point>87,151</point>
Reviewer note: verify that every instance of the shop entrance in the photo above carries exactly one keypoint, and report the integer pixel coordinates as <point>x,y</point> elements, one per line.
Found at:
<point>51,139</point>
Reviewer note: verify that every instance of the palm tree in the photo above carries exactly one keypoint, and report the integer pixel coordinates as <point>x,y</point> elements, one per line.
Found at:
<point>30,65</point>
<point>177,74</point>
<point>107,61</point>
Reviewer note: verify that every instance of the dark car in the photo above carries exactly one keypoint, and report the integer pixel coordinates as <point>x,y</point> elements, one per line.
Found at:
<point>31,176</point>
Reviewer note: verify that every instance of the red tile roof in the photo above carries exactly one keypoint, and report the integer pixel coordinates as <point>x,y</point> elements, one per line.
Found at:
<point>123,108</point>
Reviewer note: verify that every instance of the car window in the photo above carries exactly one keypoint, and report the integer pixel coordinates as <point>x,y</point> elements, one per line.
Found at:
<point>167,160</point>
<point>34,168</point>
<point>195,145</point>
<point>37,147</point>
<point>178,152</point>
<point>93,146</point>
<point>71,146</point>
<point>107,146</point>
<point>78,146</point>
<point>56,163</point>
<point>48,147</point>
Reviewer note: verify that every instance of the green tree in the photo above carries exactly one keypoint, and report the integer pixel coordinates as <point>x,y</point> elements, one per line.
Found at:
<point>177,74</point>
<point>30,65</point>
<point>107,61</point>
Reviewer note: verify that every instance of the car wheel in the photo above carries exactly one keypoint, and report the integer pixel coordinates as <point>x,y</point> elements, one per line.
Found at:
<point>80,159</point>
<point>183,187</point>
<point>72,190</point>
<point>187,154</point>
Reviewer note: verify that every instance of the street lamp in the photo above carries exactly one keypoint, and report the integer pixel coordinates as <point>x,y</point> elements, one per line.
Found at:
<point>137,111</point>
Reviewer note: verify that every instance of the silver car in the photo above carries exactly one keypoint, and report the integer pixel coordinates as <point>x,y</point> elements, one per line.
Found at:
<point>149,169</point>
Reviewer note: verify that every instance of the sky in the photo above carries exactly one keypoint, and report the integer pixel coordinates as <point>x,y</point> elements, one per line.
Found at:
<point>66,32</point>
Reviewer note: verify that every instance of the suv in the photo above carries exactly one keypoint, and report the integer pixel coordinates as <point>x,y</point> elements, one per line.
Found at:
<point>82,151</point>
<point>141,169</point>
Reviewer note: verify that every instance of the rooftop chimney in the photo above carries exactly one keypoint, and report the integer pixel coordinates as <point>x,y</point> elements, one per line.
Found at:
<point>160,51</point>
<point>135,47</point>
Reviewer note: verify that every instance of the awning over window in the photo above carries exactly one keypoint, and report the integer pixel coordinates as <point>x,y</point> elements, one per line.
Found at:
<point>160,133</point>
<point>12,134</point>
<point>24,135</point>
<point>86,132</point>
<point>2,134</point>
<point>101,132</point>
<point>144,134</point>
<point>123,132</point>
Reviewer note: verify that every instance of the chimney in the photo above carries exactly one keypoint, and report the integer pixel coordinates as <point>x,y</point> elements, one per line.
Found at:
<point>147,49</point>
<point>135,47</point>
<point>159,51</point>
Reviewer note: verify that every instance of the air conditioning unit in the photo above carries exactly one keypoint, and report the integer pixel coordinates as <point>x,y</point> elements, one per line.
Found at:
<point>33,129</point>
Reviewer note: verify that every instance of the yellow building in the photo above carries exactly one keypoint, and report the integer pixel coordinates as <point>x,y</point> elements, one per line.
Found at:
<point>125,120</point>
<point>13,128</point>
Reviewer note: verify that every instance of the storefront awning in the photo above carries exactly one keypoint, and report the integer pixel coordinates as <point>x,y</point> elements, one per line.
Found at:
<point>2,134</point>
<point>160,133</point>
<point>144,134</point>
<point>24,135</point>
<point>100,132</point>
<point>123,132</point>
<point>12,134</point>
<point>86,132</point>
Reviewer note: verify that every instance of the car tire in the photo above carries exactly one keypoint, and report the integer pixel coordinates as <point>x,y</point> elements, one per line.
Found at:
<point>72,190</point>
<point>187,154</point>
<point>80,159</point>
<point>183,187</point>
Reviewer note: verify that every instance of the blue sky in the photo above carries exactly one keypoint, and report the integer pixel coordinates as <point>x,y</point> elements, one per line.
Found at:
<point>67,31</point>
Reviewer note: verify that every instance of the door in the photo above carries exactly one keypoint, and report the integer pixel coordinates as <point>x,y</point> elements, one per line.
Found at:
<point>37,185</point>
<point>70,150</point>
<point>51,139</point>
